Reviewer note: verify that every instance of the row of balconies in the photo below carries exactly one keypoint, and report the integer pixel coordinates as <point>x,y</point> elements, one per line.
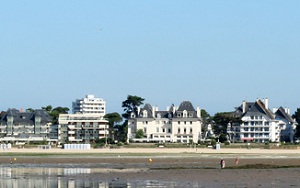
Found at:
<point>257,125</point>
<point>97,132</point>
<point>72,138</point>
<point>255,131</point>
<point>87,126</point>
<point>257,137</point>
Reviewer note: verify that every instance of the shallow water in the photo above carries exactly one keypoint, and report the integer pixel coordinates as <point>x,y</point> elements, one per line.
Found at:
<point>41,177</point>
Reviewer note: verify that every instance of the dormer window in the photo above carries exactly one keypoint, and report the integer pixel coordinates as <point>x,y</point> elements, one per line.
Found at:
<point>145,114</point>
<point>185,113</point>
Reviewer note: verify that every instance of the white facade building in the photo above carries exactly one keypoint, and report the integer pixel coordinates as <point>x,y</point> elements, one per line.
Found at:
<point>260,124</point>
<point>182,124</point>
<point>89,105</point>
<point>82,128</point>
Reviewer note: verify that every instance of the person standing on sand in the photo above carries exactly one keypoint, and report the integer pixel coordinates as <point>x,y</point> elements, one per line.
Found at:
<point>237,160</point>
<point>222,163</point>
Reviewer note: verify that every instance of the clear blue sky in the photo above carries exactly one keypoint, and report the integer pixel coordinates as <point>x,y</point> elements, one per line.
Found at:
<point>213,53</point>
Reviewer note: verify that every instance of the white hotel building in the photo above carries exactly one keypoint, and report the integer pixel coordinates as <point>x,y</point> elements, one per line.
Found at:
<point>177,124</point>
<point>89,105</point>
<point>86,124</point>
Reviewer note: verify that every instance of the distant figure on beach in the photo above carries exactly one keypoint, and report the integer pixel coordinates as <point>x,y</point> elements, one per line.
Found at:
<point>222,163</point>
<point>237,160</point>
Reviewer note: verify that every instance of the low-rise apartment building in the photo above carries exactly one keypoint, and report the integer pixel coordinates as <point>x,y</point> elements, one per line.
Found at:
<point>19,126</point>
<point>81,128</point>
<point>177,124</point>
<point>260,124</point>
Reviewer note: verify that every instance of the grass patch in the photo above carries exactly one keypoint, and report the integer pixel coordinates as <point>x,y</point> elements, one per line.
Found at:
<point>261,166</point>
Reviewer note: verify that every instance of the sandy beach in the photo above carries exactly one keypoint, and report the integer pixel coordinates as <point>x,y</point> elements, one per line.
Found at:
<point>189,167</point>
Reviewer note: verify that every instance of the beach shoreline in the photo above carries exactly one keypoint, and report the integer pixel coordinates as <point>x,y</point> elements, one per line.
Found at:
<point>185,166</point>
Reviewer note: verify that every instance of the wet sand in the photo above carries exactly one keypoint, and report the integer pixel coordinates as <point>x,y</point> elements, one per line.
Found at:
<point>188,167</point>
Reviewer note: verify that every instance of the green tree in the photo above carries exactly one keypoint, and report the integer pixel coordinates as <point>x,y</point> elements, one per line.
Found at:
<point>131,104</point>
<point>121,133</point>
<point>139,133</point>
<point>222,120</point>
<point>47,108</point>
<point>29,110</point>
<point>296,116</point>
<point>54,113</point>
<point>206,120</point>
<point>113,119</point>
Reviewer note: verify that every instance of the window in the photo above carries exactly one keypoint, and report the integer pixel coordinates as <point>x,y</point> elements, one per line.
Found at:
<point>163,130</point>
<point>145,113</point>
<point>157,129</point>
<point>169,130</point>
<point>178,122</point>
<point>184,113</point>
<point>178,130</point>
<point>191,122</point>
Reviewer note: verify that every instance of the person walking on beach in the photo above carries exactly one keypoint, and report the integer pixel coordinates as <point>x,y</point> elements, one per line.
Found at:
<point>237,160</point>
<point>222,163</point>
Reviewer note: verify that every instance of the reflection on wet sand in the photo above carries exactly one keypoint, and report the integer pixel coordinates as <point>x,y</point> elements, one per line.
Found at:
<point>69,178</point>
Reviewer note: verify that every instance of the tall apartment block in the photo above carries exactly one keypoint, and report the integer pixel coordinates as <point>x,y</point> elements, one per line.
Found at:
<point>86,124</point>
<point>89,105</point>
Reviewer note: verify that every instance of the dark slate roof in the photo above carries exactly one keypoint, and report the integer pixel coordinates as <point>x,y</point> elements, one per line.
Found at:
<point>164,114</point>
<point>148,108</point>
<point>254,109</point>
<point>281,114</point>
<point>26,117</point>
<point>186,105</point>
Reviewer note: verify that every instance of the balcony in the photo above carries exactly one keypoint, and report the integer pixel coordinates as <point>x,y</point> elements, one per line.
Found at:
<point>103,132</point>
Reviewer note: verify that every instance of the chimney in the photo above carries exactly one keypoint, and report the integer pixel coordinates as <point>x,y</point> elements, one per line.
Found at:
<point>287,110</point>
<point>198,112</point>
<point>266,101</point>
<point>153,111</point>
<point>244,106</point>
<point>138,111</point>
